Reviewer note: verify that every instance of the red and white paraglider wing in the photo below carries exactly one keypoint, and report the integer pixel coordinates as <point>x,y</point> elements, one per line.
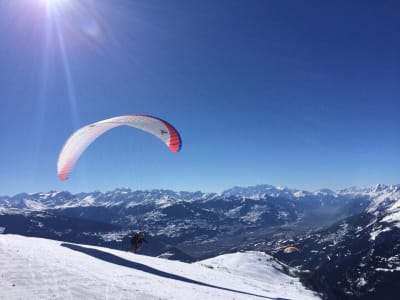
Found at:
<point>160,128</point>
<point>83,137</point>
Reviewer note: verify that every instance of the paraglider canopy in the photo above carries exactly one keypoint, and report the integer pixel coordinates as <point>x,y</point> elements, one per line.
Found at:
<point>291,249</point>
<point>83,137</point>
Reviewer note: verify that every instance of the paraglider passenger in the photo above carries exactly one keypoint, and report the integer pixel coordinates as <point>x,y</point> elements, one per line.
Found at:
<point>136,241</point>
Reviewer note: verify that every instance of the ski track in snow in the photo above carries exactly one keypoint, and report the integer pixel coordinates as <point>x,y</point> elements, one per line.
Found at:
<point>34,268</point>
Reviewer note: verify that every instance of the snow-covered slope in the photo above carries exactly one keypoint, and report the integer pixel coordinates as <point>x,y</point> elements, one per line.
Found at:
<point>254,264</point>
<point>385,205</point>
<point>33,268</point>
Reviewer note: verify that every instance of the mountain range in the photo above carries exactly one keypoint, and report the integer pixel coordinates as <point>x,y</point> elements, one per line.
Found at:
<point>348,239</point>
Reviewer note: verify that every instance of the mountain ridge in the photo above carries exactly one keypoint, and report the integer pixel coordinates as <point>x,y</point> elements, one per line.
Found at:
<point>64,199</point>
<point>354,231</point>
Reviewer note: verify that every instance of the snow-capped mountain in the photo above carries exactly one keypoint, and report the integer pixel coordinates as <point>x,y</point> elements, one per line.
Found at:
<point>33,268</point>
<point>349,239</point>
<point>117,197</point>
<point>195,222</point>
<point>356,258</point>
<point>127,197</point>
<point>262,190</point>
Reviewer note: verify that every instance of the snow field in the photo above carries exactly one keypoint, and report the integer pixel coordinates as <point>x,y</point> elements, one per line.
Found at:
<point>34,268</point>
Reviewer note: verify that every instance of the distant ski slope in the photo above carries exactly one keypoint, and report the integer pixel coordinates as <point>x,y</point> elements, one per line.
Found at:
<point>34,268</point>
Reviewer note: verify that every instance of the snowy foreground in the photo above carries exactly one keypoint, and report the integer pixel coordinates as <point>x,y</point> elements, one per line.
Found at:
<point>34,268</point>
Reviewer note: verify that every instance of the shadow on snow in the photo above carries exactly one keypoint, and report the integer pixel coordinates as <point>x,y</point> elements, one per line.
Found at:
<point>111,258</point>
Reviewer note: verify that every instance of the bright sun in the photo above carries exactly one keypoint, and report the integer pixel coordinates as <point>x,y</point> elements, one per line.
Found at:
<point>53,5</point>
<point>50,3</point>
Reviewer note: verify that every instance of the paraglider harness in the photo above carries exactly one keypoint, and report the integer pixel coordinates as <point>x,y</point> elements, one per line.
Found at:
<point>136,241</point>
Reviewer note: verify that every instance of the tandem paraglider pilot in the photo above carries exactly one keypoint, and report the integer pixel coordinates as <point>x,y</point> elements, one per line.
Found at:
<point>136,241</point>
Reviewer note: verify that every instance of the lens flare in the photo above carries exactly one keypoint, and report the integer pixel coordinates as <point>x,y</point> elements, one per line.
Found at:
<point>53,4</point>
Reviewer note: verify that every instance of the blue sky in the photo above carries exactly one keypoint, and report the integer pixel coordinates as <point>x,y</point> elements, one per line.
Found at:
<point>304,94</point>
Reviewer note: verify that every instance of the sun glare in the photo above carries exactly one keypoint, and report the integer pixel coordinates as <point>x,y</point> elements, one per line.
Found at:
<point>52,3</point>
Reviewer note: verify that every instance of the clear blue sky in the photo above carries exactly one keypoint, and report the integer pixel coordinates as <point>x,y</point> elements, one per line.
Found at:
<point>304,94</point>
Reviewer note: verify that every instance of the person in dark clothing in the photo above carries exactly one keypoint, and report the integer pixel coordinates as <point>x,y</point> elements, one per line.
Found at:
<point>136,241</point>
